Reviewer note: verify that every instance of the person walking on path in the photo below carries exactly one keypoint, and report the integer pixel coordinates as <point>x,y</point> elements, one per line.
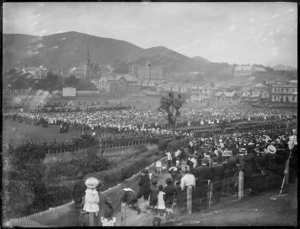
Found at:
<point>171,194</point>
<point>169,159</point>
<point>144,185</point>
<point>154,194</point>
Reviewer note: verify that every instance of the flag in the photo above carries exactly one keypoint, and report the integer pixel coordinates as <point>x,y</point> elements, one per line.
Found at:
<point>201,122</point>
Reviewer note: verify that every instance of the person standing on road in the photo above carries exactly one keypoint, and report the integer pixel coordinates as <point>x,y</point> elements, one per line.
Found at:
<point>203,177</point>
<point>171,194</point>
<point>169,159</point>
<point>79,191</point>
<point>144,185</point>
<point>217,175</point>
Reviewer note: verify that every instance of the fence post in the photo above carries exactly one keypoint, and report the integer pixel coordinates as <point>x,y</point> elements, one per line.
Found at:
<point>288,172</point>
<point>92,219</point>
<point>189,200</point>
<point>241,185</point>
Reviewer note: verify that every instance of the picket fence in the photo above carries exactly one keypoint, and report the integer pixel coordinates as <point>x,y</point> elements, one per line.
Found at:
<point>65,215</point>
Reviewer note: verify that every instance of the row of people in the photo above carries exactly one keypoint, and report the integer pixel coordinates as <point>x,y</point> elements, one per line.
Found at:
<point>131,118</point>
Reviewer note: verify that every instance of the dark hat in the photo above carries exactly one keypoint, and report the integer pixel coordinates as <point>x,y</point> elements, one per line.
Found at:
<point>79,175</point>
<point>154,181</point>
<point>145,171</point>
<point>243,150</point>
<point>204,160</point>
<point>168,180</point>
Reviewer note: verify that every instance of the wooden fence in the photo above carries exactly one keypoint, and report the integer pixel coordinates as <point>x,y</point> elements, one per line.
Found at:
<point>66,215</point>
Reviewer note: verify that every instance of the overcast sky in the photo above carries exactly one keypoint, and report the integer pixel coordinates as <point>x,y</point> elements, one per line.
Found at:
<point>241,33</point>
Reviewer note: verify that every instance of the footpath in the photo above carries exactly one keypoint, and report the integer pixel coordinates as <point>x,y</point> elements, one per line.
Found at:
<point>252,210</point>
<point>144,218</point>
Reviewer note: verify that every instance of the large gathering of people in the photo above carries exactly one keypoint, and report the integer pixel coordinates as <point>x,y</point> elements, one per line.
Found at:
<point>216,144</point>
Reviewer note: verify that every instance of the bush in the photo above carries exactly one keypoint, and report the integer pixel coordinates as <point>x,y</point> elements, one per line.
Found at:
<point>89,164</point>
<point>163,143</point>
<point>17,196</point>
<point>126,169</point>
<point>26,186</point>
<point>58,195</point>
<point>175,145</point>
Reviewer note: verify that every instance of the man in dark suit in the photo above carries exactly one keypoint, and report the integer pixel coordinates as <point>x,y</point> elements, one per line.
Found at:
<point>217,176</point>
<point>202,174</point>
<point>79,191</point>
<point>230,169</point>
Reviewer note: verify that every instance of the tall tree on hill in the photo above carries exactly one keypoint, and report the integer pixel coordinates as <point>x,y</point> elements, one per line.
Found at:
<point>170,105</point>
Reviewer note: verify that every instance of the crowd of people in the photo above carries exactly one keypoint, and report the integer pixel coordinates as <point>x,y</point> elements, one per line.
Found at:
<point>210,167</point>
<point>120,119</point>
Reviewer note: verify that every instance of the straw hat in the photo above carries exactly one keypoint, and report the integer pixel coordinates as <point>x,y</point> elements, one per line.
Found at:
<point>91,182</point>
<point>271,149</point>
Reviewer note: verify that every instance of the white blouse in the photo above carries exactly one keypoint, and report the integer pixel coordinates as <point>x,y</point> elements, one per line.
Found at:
<point>91,200</point>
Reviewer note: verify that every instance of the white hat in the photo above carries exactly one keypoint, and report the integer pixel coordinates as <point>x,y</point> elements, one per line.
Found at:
<point>91,182</point>
<point>220,140</point>
<point>271,149</point>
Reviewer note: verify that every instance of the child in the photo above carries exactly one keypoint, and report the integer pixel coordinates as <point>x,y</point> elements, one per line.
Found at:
<point>108,220</point>
<point>91,198</point>
<point>160,210</point>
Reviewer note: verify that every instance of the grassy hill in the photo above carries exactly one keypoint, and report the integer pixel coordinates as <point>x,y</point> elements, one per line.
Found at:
<point>67,50</point>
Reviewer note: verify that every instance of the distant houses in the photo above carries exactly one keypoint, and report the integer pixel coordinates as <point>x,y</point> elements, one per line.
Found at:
<point>35,72</point>
<point>118,83</point>
<point>249,71</point>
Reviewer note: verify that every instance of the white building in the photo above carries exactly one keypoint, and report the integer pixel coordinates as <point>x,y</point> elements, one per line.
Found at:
<point>284,93</point>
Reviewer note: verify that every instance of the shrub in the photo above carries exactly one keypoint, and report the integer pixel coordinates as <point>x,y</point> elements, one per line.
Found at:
<point>26,182</point>
<point>58,195</point>
<point>17,196</point>
<point>163,143</point>
<point>89,164</point>
<point>126,169</point>
<point>175,145</point>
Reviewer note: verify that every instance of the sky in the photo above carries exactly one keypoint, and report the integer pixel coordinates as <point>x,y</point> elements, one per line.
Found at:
<point>241,33</point>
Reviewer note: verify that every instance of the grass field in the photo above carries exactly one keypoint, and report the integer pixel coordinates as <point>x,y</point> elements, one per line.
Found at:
<point>19,132</point>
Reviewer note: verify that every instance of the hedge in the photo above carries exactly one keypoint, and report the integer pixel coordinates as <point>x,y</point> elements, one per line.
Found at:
<point>126,169</point>
<point>177,144</point>
<point>163,143</point>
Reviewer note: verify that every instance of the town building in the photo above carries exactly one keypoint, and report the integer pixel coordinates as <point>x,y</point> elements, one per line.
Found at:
<point>226,97</point>
<point>35,72</point>
<point>155,73</point>
<point>117,83</point>
<point>87,69</point>
<point>249,71</point>
<point>284,93</point>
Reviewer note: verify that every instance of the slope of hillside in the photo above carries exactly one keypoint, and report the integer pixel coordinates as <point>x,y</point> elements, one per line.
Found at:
<point>281,67</point>
<point>67,50</point>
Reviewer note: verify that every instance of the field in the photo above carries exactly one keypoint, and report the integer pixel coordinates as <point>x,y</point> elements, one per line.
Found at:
<point>19,132</point>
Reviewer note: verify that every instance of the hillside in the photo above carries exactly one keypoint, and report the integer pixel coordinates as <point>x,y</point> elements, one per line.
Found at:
<point>67,50</point>
<point>201,59</point>
<point>281,67</point>
<point>64,51</point>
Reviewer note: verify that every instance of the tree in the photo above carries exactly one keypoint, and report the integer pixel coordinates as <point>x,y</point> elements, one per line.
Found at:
<point>26,187</point>
<point>170,105</point>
